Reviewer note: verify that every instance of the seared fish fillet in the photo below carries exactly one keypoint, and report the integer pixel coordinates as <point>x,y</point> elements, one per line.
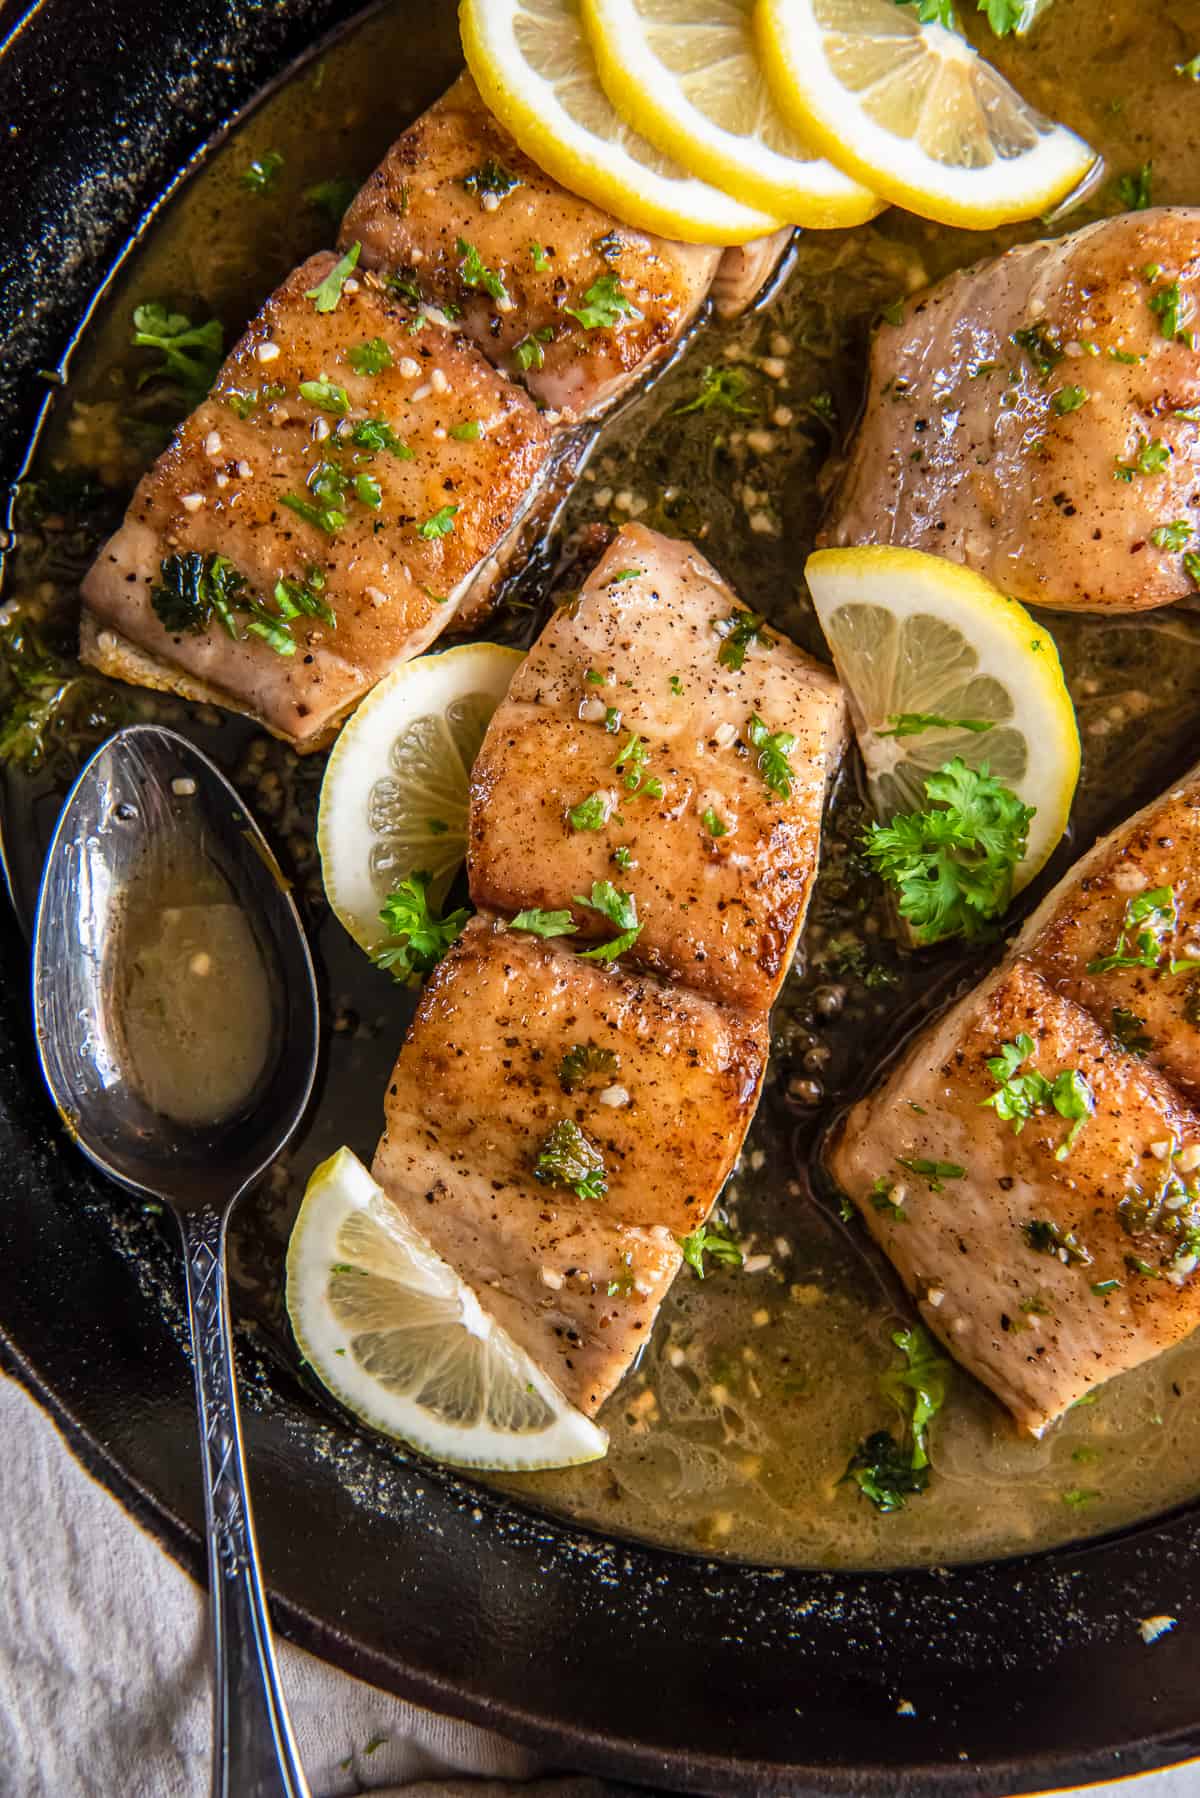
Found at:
<point>463,219</point>
<point>747,270</point>
<point>625,690</point>
<point>1047,1266</point>
<point>669,1086</point>
<point>419,472</point>
<point>1028,417</point>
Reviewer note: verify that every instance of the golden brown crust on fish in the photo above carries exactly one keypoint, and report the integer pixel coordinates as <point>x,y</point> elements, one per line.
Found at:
<point>721,866</point>
<point>391,577</point>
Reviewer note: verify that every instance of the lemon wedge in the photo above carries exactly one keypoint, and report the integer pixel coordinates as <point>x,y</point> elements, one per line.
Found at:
<point>392,1331</point>
<point>395,793</point>
<point>938,663</point>
<point>913,112</point>
<point>534,67</point>
<point>685,73</point>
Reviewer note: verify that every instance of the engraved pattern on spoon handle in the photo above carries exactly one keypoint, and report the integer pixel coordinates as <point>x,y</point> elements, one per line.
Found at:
<point>254,1751</point>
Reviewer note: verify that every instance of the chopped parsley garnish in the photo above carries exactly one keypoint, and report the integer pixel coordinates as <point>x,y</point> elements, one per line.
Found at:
<point>468,431</point>
<point>326,294</point>
<point>1069,399</point>
<point>544,923</point>
<point>1045,1238</point>
<point>369,358</point>
<point>327,396</point>
<point>491,178</point>
<point>620,908</point>
<point>953,865</point>
<point>773,752</point>
<point>912,724</point>
<point>332,197</point>
<point>1150,917</point>
<point>721,389</point>
<point>591,813</point>
<point>634,757</point>
<point>529,353</point>
<point>197,591</point>
<point>1190,70</point>
<point>1080,1496</point>
<point>713,824</point>
<point>934,1173</point>
<point>1174,536</point>
<point>540,258</point>
<point>244,402</point>
<point>374,434</point>
<point>475,273</point>
<point>325,516</point>
<point>367,491</point>
<point>882,1470</point>
<point>262,174</point>
<point>917,1387</point>
<point>888,1471</point>
<point>623,857</point>
<point>191,354</point>
<point>1150,457</point>
<point>417,937</point>
<point>1102,1288</point>
<point>603,306</point>
<point>1041,347</point>
<point>738,632</point>
<point>582,1060</point>
<point>1191,564</point>
<point>713,1238</point>
<point>933,12</point>
<point>1020,1096</point>
<point>1171,306</point>
<point>304,598</point>
<point>440,525</point>
<point>567,1158</point>
<point>1130,1031</point>
<point>626,574</point>
<point>1133,190</point>
<point>405,286</point>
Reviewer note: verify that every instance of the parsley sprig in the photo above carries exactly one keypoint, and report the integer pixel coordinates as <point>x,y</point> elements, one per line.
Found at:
<point>1150,918</point>
<point>417,937</point>
<point>191,354</point>
<point>620,908</point>
<point>738,632</point>
<point>1021,1095</point>
<point>713,1238</point>
<point>569,1158</point>
<point>952,866</point>
<point>774,748</point>
<point>889,1471</point>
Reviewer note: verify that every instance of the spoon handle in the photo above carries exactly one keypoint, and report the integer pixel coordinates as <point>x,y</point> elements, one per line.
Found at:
<point>254,1750</point>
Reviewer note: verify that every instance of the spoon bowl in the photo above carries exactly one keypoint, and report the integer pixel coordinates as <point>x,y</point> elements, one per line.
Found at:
<point>147,806</point>
<point>182,1073</point>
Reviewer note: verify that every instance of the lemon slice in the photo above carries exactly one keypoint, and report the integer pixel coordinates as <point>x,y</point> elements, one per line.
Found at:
<point>913,112</point>
<point>534,67</point>
<point>392,1331</point>
<point>394,796</point>
<point>686,74</point>
<point>916,639</point>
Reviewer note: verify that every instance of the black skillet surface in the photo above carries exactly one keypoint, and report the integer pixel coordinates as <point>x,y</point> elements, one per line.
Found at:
<point>608,1655</point>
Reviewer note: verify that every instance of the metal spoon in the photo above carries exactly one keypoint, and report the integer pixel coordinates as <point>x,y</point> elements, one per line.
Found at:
<point>148,808</point>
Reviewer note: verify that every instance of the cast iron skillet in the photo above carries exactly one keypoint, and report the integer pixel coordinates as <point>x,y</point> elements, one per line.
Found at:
<point>607,1655</point>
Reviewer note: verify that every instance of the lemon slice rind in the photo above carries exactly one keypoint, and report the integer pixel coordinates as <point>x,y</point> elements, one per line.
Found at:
<point>958,648</point>
<point>768,166</point>
<point>589,148</point>
<point>364,1286</point>
<point>412,740</point>
<point>965,97</point>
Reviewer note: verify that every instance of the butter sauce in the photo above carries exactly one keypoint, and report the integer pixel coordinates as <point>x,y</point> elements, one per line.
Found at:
<point>733,1434</point>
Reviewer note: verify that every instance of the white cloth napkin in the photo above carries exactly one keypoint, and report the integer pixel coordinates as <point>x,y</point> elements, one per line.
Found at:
<point>104,1666</point>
